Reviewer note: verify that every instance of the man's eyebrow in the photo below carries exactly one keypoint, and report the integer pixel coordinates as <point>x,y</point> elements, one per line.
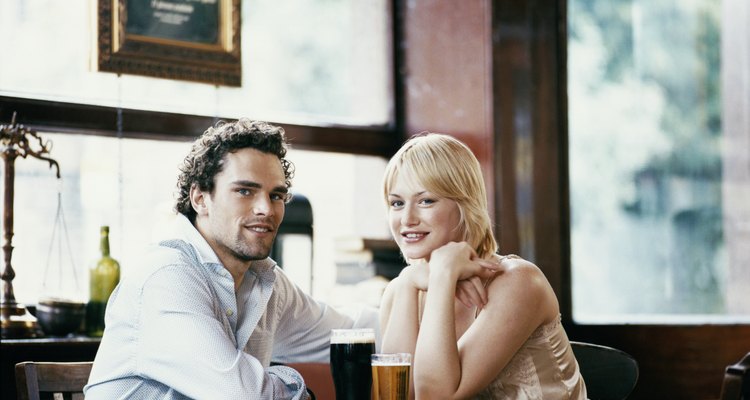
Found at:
<point>256,185</point>
<point>247,184</point>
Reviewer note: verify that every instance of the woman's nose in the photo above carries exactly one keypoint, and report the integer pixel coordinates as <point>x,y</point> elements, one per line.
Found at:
<point>409,217</point>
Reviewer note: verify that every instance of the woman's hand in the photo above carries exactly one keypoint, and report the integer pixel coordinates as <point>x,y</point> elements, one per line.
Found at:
<point>470,292</point>
<point>458,261</point>
<point>417,274</point>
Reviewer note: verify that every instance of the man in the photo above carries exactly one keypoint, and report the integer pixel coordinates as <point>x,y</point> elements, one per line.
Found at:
<point>206,310</point>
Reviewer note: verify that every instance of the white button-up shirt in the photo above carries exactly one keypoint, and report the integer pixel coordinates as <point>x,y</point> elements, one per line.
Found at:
<point>175,328</point>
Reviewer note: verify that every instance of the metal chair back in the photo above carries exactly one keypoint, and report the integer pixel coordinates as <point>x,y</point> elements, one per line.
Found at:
<point>736,384</point>
<point>609,373</point>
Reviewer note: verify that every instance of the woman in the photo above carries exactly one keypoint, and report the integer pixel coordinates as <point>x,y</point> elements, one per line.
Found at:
<point>479,325</point>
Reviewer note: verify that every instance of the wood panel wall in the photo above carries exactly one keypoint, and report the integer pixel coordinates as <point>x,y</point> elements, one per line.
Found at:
<point>446,73</point>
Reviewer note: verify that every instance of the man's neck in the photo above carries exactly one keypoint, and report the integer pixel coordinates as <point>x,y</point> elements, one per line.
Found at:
<point>236,267</point>
<point>238,274</point>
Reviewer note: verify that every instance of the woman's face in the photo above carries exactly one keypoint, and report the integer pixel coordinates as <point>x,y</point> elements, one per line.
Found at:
<point>420,221</point>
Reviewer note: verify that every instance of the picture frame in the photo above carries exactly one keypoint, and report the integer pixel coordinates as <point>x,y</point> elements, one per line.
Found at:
<point>193,40</point>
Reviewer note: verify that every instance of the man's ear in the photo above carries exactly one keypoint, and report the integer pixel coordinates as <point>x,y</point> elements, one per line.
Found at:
<point>198,200</point>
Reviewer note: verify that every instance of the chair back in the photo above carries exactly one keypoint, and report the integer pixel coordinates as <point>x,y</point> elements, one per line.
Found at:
<point>609,373</point>
<point>736,384</point>
<point>51,380</point>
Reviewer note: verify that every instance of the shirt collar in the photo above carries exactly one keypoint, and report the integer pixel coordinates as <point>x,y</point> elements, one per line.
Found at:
<point>264,269</point>
<point>184,230</point>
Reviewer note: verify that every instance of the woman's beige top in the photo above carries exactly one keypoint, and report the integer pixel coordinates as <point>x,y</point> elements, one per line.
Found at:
<point>543,368</point>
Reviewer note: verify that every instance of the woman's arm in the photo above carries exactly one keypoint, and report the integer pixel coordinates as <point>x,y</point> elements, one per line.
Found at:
<point>402,294</point>
<point>399,315</point>
<point>450,367</point>
<point>400,328</point>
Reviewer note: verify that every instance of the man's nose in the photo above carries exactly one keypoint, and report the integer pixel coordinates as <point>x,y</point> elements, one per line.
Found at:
<point>262,205</point>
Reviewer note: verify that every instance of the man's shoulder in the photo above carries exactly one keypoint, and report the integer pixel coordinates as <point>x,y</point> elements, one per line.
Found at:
<point>174,255</point>
<point>169,252</point>
<point>282,282</point>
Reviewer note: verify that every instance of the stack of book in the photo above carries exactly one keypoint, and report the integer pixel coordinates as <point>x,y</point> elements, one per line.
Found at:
<point>358,259</point>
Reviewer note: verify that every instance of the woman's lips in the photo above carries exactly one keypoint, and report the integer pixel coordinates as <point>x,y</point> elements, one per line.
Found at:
<point>412,237</point>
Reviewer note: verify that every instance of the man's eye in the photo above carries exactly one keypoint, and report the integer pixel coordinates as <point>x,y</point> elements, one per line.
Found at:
<point>279,196</point>
<point>244,192</point>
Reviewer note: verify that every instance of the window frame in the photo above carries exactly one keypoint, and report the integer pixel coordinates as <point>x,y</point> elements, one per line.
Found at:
<point>53,116</point>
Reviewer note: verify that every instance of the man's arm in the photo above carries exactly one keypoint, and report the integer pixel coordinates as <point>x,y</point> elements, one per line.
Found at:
<point>305,324</point>
<point>187,344</point>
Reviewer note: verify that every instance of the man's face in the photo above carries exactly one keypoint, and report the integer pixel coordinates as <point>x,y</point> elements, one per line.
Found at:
<point>241,217</point>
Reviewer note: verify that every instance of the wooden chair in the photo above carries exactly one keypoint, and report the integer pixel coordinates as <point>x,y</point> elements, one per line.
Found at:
<point>736,384</point>
<point>610,374</point>
<point>52,380</point>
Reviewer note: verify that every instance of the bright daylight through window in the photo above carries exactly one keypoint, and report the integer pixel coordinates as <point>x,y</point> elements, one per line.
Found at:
<point>658,223</point>
<point>313,62</point>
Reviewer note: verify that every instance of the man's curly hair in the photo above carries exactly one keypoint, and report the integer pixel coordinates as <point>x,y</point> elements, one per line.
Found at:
<point>206,157</point>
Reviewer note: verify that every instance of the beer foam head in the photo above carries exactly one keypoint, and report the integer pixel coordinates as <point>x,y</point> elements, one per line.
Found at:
<point>391,359</point>
<point>343,336</point>
<point>390,363</point>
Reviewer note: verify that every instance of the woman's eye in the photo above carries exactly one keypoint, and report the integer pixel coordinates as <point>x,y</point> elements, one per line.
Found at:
<point>427,201</point>
<point>397,203</point>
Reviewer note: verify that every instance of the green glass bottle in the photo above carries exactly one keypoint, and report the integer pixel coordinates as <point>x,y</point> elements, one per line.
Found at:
<point>103,277</point>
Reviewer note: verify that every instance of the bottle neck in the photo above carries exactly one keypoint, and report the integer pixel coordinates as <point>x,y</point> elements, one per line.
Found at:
<point>104,245</point>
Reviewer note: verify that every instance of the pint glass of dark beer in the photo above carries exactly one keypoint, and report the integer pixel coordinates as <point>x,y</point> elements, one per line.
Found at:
<point>350,362</point>
<point>390,376</point>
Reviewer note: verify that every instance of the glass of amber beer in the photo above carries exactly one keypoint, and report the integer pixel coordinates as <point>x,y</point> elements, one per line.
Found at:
<point>350,362</point>
<point>390,376</point>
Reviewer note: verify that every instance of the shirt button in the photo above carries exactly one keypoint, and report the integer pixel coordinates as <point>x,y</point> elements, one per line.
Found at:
<point>229,312</point>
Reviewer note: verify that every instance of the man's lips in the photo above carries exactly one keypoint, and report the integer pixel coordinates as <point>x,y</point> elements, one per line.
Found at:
<point>260,228</point>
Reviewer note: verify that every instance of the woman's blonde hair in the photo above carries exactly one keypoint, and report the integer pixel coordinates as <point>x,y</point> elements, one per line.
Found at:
<point>447,168</point>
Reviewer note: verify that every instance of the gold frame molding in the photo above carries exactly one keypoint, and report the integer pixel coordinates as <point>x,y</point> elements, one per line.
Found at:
<point>126,52</point>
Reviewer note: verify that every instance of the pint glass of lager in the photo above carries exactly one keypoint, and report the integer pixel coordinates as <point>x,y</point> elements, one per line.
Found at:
<point>390,376</point>
<point>350,362</point>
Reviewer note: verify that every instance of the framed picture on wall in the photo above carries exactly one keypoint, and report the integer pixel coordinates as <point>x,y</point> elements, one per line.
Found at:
<point>194,40</point>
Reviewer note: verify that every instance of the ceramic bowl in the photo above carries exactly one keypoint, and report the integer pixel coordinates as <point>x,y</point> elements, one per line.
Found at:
<point>60,317</point>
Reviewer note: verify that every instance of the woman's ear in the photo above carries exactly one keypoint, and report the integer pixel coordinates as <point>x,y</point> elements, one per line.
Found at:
<point>198,200</point>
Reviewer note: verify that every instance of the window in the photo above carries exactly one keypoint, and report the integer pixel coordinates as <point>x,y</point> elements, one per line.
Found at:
<point>304,62</point>
<point>309,63</point>
<point>129,184</point>
<point>658,163</point>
